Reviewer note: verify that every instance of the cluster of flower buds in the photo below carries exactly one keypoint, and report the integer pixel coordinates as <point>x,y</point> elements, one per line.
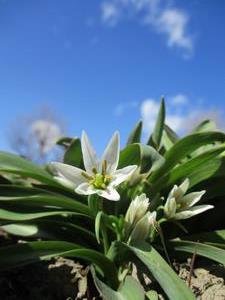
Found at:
<point>138,220</point>
<point>180,205</point>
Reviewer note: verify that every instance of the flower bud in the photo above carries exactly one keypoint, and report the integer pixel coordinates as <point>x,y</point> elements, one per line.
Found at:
<point>136,210</point>
<point>143,226</point>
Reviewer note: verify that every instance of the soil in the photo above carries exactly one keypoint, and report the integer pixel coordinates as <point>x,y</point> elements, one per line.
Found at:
<point>64,279</point>
<point>207,283</point>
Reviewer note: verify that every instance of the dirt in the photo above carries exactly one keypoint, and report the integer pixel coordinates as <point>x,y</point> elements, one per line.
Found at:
<point>208,282</point>
<point>61,279</point>
<point>64,279</point>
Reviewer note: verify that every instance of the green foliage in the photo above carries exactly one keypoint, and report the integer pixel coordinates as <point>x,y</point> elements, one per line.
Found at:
<point>54,220</point>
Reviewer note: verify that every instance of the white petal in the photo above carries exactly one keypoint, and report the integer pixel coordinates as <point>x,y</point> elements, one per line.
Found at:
<point>72,174</point>
<point>89,155</point>
<point>122,174</point>
<point>172,192</point>
<point>109,193</point>
<point>195,210</point>
<point>85,189</point>
<point>185,185</point>
<point>65,182</point>
<point>191,198</point>
<point>170,208</point>
<point>111,153</point>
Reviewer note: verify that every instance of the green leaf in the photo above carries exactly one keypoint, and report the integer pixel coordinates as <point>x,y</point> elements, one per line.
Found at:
<point>206,125</point>
<point>208,251</point>
<point>155,138</point>
<point>172,285</point>
<point>128,290</point>
<point>64,141</point>
<point>198,169</point>
<point>135,135</point>
<point>52,229</point>
<point>169,137</point>
<point>141,155</point>
<point>46,200</point>
<point>185,147</point>
<point>213,237</point>
<point>26,253</point>
<point>73,155</point>
<point>15,216</point>
<point>11,163</point>
<point>152,295</point>
<point>97,225</point>
<point>24,230</point>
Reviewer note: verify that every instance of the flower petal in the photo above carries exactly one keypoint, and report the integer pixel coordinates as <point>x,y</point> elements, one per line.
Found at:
<point>109,193</point>
<point>72,174</point>
<point>85,189</point>
<point>111,153</point>
<point>185,185</point>
<point>191,198</point>
<point>173,192</point>
<point>122,174</point>
<point>170,208</point>
<point>89,155</point>
<point>143,226</point>
<point>195,210</point>
<point>65,182</point>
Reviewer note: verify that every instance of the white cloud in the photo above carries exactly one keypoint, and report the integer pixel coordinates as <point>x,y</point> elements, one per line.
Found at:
<point>182,115</point>
<point>167,20</point>
<point>149,111</point>
<point>173,22</point>
<point>179,99</point>
<point>110,13</point>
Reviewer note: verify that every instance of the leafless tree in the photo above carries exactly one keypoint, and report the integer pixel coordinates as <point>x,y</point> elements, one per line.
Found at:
<point>34,135</point>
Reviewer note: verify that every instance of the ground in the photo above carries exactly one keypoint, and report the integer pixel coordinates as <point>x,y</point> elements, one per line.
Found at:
<point>64,279</point>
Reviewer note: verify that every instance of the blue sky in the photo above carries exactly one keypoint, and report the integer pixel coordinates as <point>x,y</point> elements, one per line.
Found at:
<point>103,65</point>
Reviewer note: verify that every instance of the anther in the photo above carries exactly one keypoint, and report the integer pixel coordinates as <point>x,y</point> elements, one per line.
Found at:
<point>94,170</point>
<point>86,176</point>
<point>104,167</point>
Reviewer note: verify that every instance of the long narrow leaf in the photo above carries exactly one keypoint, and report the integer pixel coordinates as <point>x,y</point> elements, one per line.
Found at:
<point>185,147</point>
<point>11,163</point>
<point>173,286</point>
<point>201,249</point>
<point>15,216</point>
<point>155,138</point>
<point>135,135</point>
<point>128,290</point>
<point>22,254</point>
<point>200,168</point>
<point>47,200</point>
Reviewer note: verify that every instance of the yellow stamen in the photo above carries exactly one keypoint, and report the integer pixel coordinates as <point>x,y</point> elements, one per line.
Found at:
<point>104,167</point>
<point>94,170</point>
<point>86,176</point>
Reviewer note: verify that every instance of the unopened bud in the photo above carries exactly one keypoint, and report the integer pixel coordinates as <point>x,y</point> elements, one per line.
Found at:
<point>143,226</point>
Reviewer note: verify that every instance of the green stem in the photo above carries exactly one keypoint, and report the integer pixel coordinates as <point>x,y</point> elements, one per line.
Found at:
<point>164,245</point>
<point>105,239</point>
<point>181,226</point>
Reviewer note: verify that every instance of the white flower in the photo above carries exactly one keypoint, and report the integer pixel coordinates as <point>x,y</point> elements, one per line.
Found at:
<point>138,220</point>
<point>137,209</point>
<point>180,206</point>
<point>143,226</point>
<point>99,177</point>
